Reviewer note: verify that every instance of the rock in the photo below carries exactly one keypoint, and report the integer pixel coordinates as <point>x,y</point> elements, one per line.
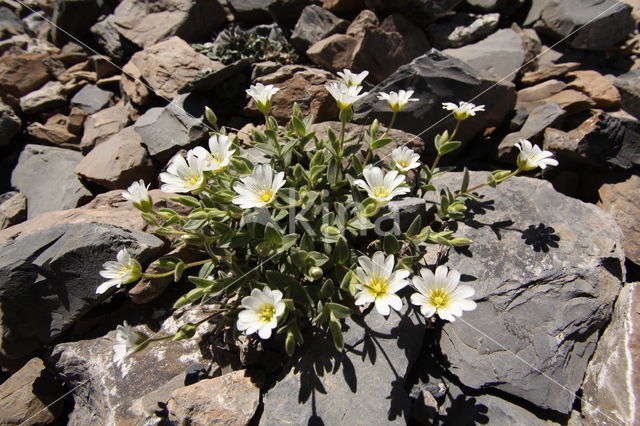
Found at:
<point>635,5</point>
<point>211,79</point>
<point>571,101</point>
<point>145,24</point>
<point>110,391</point>
<point>53,274</point>
<point>15,43</point>
<point>74,18</point>
<point>549,71</point>
<point>260,69</point>
<point>438,78</point>
<point>546,302</point>
<point>251,12</point>
<point>148,405</point>
<point>343,6</point>
<point>612,23</point>
<point>599,88</point>
<point>461,29</point>
<point>619,199</point>
<point>10,124</point>
<point>110,40</point>
<point>501,54</point>
<point>334,52</point>
<point>166,67</point>
<point>287,12</point>
<point>103,66</point>
<point>91,99</point>
<point>419,11</point>
<point>54,132</point>
<point>303,85</point>
<point>487,5</point>
<point>547,115</point>
<point>22,73</point>
<point>117,162</point>
<point>365,19</point>
<point>534,96</point>
<point>13,209</point>
<point>629,87</point>
<point>30,396</point>
<point>231,399</point>
<point>45,176</point>
<point>324,386</point>
<point>532,46</point>
<point>47,97</point>
<point>132,86</point>
<point>315,24</point>
<point>610,387</point>
<point>103,124</point>
<point>71,54</point>
<point>601,141</point>
<point>10,24</point>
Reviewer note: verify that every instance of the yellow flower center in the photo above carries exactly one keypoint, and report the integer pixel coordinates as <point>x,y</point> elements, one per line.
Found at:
<point>265,195</point>
<point>439,298</point>
<point>266,313</point>
<point>378,286</point>
<point>192,179</point>
<point>381,191</point>
<point>461,115</point>
<point>403,163</point>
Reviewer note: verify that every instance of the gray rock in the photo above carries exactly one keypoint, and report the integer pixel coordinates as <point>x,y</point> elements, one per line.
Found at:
<point>544,287</point>
<point>206,81</point>
<point>251,12</point>
<point>487,5</point>
<point>44,174</point>
<point>47,97</point>
<point>419,11</point>
<point>109,39</point>
<point>609,22</point>
<point>13,209</point>
<point>365,384</point>
<point>75,18</point>
<point>10,24</point>
<point>53,275</point>
<point>102,125</point>
<point>438,78</point>
<point>401,212</point>
<point>273,32</point>
<point>287,12</point>
<point>501,54</point>
<point>316,23</point>
<point>461,29</point>
<point>91,98</point>
<point>165,131</point>
<point>629,87</point>
<point>10,124</point>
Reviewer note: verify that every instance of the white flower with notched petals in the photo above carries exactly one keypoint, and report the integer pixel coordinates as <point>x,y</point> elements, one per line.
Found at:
<point>261,313</point>
<point>378,283</point>
<point>185,175</point>
<point>124,271</point>
<point>352,79</point>
<point>405,159</point>
<point>138,194</point>
<point>219,155</point>
<point>464,110</point>
<point>441,294</point>
<point>127,342</point>
<point>397,100</point>
<point>380,186</point>
<point>344,95</point>
<point>531,156</point>
<point>259,189</point>
<point>262,95</point>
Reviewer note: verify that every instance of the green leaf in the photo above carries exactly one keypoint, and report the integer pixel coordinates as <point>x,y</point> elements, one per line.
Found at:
<point>190,297</point>
<point>380,143</point>
<point>357,165</point>
<point>449,147</point>
<point>298,126</point>
<point>328,289</point>
<point>168,263</point>
<point>390,244</point>
<point>149,218</point>
<point>186,200</point>
<point>340,253</point>
<point>415,226</point>
<point>187,331</point>
<point>272,236</point>
<point>318,258</point>
<point>338,310</point>
<point>336,332</point>
<point>459,241</point>
<point>290,343</point>
<point>346,281</point>
<point>211,116</point>
<point>180,268</point>
<point>465,181</point>
<point>201,282</point>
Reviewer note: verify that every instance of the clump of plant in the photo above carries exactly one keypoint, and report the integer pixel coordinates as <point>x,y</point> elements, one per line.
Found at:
<point>293,242</point>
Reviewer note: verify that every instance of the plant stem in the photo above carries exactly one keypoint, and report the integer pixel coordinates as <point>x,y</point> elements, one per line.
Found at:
<point>166,274</point>
<point>475,188</point>
<point>391,124</point>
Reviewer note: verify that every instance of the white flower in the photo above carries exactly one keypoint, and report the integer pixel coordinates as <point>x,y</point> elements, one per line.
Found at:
<point>397,100</point>
<point>379,283</point>
<point>440,294</point>
<point>344,95</point>
<point>185,175</point>
<point>127,342</point>
<point>531,156</point>
<point>263,308</point>
<point>259,189</point>
<point>381,186</point>
<point>405,159</point>
<point>126,270</point>
<point>138,194</point>
<point>262,95</point>
<point>351,79</point>
<point>464,110</point>
<point>219,155</point>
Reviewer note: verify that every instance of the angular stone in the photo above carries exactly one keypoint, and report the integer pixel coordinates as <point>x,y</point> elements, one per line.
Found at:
<point>45,176</point>
<point>13,209</point>
<point>549,71</point>
<point>343,6</point>
<point>571,101</point>
<point>91,99</point>
<point>500,54</point>
<point>53,274</point>
<point>47,97</point>
<point>100,126</point>
<point>546,301</point>
<point>287,12</point>
<point>73,18</point>
<point>629,87</point>
<point>23,73</point>
<point>109,39</point>
<point>251,11</point>
<point>596,86</point>
<point>462,29</point>
<point>231,399</point>
<point>10,124</point>
<point>54,132</point>
<point>315,24</point>
<point>365,19</point>
<point>131,86</point>
<point>533,96</point>
<point>10,24</point>
<point>145,23</point>
<point>334,52</point>
<point>31,396</point>
<point>487,5</point>
<point>420,11</point>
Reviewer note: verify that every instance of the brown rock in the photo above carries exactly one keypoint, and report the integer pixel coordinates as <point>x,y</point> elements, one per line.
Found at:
<point>334,52</point>
<point>549,71</point>
<point>622,201</point>
<point>13,209</point>
<point>365,19</point>
<point>343,6</point>
<point>76,120</point>
<point>103,124</point>
<point>132,85</point>
<point>166,67</point>
<point>534,96</point>
<point>597,87</point>
<point>30,396</point>
<point>231,399</point>
<point>49,96</point>
<point>117,162</point>
<point>571,101</point>
<point>54,132</point>
<point>22,73</point>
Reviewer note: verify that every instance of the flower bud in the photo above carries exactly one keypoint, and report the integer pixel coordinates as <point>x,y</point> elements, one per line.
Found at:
<point>315,272</point>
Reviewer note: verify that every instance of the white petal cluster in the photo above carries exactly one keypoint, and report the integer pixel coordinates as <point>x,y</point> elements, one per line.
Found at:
<point>344,95</point>
<point>259,189</point>
<point>378,283</point>
<point>123,271</point>
<point>351,79</point>
<point>381,186</point>
<point>441,294</point>
<point>138,194</point>
<point>219,155</point>
<point>127,342</point>
<point>183,176</point>
<point>405,159</point>
<point>464,110</point>
<point>531,156</point>
<point>397,100</point>
<point>262,95</point>
<point>261,313</point>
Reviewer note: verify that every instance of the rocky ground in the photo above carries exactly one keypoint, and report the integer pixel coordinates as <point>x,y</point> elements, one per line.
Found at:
<point>97,94</point>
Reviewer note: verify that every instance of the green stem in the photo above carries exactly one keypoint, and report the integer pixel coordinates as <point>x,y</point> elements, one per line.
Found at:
<point>391,124</point>
<point>475,188</point>
<point>455,130</point>
<point>166,274</point>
